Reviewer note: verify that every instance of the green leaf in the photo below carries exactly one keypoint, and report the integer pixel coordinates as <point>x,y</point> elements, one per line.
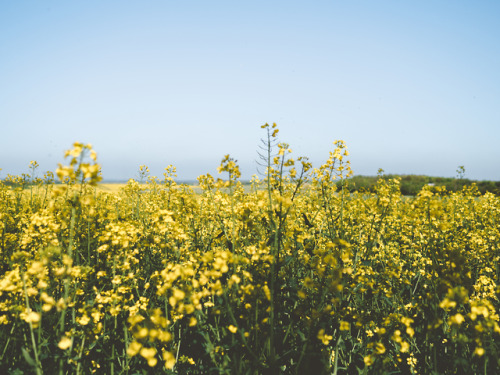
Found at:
<point>28,358</point>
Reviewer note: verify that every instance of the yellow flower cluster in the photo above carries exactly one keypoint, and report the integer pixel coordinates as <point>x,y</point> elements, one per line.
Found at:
<point>288,274</point>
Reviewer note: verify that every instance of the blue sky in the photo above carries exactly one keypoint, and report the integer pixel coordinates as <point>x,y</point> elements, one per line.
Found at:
<point>413,87</point>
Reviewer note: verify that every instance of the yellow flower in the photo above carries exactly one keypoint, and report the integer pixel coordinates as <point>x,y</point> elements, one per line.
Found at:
<point>457,319</point>
<point>65,343</point>
<point>405,346</point>
<point>150,355</point>
<point>60,305</point>
<point>133,348</point>
<point>368,360</point>
<point>479,351</point>
<point>324,338</point>
<point>379,348</point>
<point>164,336</point>
<point>96,315</point>
<point>232,328</point>
<point>447,304</point>
<point>267,292</point>
<point>410,331</point>
<point>235,279</point>
<point>83,320</point>
<point>345,326</point>
<point>142,333</point>
<point>31,317</point>
<point>49,302</point>
<point>478,310</point>
<point>177,295</point>
<point>169,359</point>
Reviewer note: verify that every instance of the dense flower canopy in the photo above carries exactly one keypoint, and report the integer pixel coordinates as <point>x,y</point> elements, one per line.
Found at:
<point>289,273</point>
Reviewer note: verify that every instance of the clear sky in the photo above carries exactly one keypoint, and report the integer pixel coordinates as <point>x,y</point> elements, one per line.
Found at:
<point>413,87</point>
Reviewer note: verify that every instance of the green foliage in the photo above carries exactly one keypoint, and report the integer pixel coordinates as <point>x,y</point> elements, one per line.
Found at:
<point>412,184</point>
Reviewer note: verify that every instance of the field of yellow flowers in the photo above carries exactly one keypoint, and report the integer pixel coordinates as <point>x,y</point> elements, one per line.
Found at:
<point>293,275</point>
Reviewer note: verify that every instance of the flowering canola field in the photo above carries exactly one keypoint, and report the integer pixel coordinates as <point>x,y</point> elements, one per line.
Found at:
<point>291,276</point>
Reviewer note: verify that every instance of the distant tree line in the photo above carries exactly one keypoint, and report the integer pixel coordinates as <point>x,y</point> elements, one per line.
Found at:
<point>412,184</point>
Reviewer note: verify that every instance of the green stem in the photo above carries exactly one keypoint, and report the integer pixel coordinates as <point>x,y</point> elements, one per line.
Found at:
<point>33,342</point>
<point>126,346</point>
<point>8,341</point>
<point>79,366</point>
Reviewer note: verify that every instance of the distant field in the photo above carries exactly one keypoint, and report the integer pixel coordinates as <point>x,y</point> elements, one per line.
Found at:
<point>111,187</point>
<point>114,187</point>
